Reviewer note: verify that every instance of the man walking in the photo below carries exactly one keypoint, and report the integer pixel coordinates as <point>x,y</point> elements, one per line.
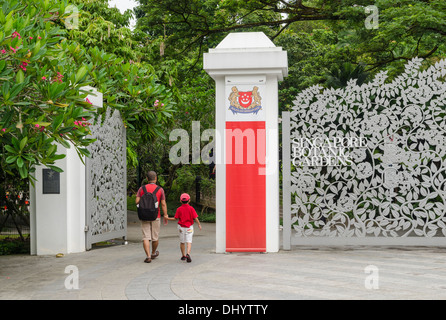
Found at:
<point>151,229</point>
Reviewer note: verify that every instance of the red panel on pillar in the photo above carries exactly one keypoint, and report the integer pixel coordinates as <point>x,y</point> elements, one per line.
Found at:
<point>245,186</point>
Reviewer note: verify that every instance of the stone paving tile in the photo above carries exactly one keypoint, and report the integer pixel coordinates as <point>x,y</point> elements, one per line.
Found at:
<point>304,273</point>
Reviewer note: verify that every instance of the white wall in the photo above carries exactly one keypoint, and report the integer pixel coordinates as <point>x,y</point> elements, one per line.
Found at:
<point>58,220</point>
<point>220,169</point>
<point>272,165</point>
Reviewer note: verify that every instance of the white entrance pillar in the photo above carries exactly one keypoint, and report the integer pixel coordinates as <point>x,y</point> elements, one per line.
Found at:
<point>58,207</point>
<point>246,67</point>
<point>57,202</point>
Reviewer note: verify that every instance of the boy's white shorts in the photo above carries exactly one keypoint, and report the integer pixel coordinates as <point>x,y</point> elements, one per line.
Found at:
<point>186,234</point>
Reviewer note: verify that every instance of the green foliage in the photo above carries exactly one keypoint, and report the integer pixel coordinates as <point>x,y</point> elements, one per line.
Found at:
<point>326,40</point>
<point>14,202</point>
<point>118,68</point>
<point>406,29</point>
<point>41,98</point>
<point>43,68</point>
<point>14,246</point>
<point>154,75</point>
<point>186,25</point>
<point>338,77</point>
<point>309,54</point>
<point>105,27</point>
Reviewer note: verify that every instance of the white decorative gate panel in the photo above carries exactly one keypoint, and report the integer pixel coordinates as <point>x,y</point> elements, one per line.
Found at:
<point>366,164</point>
<point>106,181</point>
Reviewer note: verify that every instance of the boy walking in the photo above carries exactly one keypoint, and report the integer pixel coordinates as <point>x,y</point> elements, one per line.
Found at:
<point>186,215</point>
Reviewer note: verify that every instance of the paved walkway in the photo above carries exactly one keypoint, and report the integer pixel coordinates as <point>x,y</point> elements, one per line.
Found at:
<point>118,272</point>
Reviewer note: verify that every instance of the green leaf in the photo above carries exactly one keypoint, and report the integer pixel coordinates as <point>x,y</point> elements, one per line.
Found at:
<point>8,26</point>
<point>36,48</point>
<point>58,156</point>
<point>11,159</point>
<point>28,157</point>
<point>2,65</point>
<point>15,143</point>
<point>17,88</point>
<point>23,143</point>
<point>85,152</point>
<point>81,73</point>
<point>10,149</point>
<point>77,112</point>
<point>20,76</point>
<point>5,90</point>
<point>58,121</point>
<point>51,150</point>
<point>23,172</point>
<point>42,123</point>
<point>56,89</point>
<point>65,143</point>
<point>57,169</point>
<point>20,162</point>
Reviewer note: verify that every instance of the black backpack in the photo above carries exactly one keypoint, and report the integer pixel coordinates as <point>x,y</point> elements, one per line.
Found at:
<point>148,205</point>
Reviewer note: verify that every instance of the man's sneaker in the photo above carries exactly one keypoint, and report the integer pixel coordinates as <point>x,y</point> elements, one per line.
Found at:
<point>188,259</point>
<point>183,258</point>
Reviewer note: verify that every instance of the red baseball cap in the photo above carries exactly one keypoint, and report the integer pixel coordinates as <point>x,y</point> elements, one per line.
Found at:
<point>184,197</point>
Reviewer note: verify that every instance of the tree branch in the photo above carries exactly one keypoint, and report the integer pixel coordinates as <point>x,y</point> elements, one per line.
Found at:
<point>382,63</point>
<point>272,23</point>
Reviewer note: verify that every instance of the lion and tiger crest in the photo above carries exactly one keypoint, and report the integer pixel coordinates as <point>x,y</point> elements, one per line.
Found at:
<point>245,101</point>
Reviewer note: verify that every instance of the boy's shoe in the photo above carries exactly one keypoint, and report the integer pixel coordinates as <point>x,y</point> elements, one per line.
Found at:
<point>188,259</point>
<point>183,258</point>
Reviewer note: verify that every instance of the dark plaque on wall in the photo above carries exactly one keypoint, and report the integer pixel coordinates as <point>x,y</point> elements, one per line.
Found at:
<point>51,181</point>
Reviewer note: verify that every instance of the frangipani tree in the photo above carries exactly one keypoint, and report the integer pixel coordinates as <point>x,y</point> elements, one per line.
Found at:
<point>43,69</point>
<point>44,64</point>
<point>41,101</point>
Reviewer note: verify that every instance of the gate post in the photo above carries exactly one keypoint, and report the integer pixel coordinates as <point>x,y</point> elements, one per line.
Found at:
<point>286,180</point>
<point>57,213</point>
<point>58,200</point>
<point>246,67</point>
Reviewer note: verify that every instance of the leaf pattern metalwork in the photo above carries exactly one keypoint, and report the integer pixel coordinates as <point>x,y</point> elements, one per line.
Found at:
<point>396,186</point>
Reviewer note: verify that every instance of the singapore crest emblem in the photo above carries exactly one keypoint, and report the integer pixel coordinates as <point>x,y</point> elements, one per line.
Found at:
<point>245,101</point>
